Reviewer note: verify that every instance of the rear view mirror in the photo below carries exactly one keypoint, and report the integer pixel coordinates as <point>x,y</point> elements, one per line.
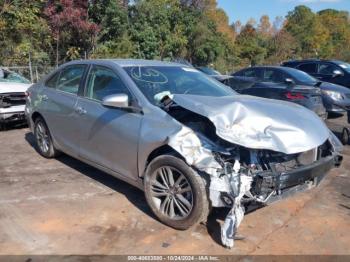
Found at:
<point>289,81</point>
<point>117,100</point>
<point>337,73</point>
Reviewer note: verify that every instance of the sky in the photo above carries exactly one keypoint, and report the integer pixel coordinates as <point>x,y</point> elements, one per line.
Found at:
<point>243,10</point>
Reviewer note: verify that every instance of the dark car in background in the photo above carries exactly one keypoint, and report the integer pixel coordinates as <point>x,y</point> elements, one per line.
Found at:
<point>333,71</point>
<point>270,82</point>
<point>214,74</point>
<point>336,99</point>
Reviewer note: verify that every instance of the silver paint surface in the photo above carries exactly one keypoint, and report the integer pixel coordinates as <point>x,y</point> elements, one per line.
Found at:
<point>259,123</point>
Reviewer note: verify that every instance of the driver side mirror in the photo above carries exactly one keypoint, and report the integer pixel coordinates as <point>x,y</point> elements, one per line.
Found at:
<point>337,73</point>
<point>117,101</point>
<point>289,81</point>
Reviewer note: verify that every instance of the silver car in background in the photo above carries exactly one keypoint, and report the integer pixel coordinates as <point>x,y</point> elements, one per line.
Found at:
<point>188,141</point>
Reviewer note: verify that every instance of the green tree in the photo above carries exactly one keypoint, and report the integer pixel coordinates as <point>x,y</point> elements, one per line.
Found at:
<point>157,29</point>
<point>113,39</point>
<point>250,45</point>
<point>24,34</point>
<point>338,26</point>
<point>308,30</point>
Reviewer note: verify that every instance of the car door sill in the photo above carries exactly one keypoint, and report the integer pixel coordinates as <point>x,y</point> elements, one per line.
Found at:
<point>137,183</point>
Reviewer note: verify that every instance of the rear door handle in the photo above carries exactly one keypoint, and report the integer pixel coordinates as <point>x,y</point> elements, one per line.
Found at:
<point>80,110</point>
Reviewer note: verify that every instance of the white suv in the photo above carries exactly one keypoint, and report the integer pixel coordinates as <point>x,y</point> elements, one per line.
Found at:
<point>12,97</point>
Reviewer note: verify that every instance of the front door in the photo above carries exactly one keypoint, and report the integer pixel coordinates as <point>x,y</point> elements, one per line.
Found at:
<point>109,135</point>
<point>326,73</point>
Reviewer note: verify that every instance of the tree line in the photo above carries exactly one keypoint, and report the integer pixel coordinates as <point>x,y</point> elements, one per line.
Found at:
<point>51,32</point>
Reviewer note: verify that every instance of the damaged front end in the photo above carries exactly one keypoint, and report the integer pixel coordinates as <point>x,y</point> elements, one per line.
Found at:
<point>12,107</point>
<point>245,165</point>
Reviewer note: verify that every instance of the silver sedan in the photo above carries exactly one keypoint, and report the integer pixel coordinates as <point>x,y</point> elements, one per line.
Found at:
<point>188,141</point>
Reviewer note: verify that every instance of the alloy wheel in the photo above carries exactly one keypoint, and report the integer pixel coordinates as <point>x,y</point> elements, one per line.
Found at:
<point>42,137</point>
<point>171,193</point>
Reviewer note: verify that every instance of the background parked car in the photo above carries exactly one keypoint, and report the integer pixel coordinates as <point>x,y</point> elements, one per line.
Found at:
<point>270,83</point>
<point>335,98</point>
<point>12,97</point>
<point>332,71</point>
<point>214,74</point>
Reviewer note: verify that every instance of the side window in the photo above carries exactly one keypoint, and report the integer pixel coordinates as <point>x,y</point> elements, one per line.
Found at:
<point>249,73</point>
<point>310,68</point>
<point>103,82</point>
<point>275,76</point>
<point>52,82</point>
<point>69,79</point>
<point>327,69</point>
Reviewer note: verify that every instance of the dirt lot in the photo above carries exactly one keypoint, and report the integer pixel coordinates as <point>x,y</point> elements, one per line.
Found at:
<point>66,207</point>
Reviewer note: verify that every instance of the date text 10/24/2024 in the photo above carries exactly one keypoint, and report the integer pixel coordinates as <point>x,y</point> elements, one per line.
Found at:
<point>173,258</point>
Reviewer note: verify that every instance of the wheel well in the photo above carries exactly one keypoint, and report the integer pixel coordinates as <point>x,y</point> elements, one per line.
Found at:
<point>35,116</point>
<point>163,150</point>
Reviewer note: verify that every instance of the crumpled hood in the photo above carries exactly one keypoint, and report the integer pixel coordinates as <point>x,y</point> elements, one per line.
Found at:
<point>9,87</point>
<point>259,123</point>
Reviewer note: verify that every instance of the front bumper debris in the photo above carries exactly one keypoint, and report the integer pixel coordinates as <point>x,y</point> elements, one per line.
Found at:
<point>275,186</point>
<point>12,117</point>
<point>280,181</point>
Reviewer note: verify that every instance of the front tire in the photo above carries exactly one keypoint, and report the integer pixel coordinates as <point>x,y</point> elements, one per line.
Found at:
<point>175,192</point>
<point>43,139</point>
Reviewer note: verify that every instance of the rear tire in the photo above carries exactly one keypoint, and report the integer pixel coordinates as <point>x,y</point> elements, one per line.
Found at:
<point>175,192</point>
<point>2,126</point>
<point>43,139</point>
<point>345,136</point>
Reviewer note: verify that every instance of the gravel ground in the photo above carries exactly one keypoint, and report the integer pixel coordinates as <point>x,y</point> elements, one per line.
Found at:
<point>64,206</point>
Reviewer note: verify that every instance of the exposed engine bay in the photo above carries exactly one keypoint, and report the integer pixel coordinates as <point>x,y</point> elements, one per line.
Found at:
<point>240,176</point>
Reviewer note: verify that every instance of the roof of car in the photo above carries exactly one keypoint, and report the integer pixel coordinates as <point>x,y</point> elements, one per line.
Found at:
<point>312,60</point>
<point>276,67</point>
<point>132,62</point>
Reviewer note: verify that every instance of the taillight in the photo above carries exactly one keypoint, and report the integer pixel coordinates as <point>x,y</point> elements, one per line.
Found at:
<point>293,96</point>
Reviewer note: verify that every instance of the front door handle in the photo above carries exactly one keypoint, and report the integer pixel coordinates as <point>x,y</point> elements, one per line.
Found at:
<point>80,110</point>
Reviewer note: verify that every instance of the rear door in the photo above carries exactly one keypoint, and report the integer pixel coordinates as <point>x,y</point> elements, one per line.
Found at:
<point>60,96</point>
<point>109,136</point>
<point>269,88</point>
<point>277,89</point>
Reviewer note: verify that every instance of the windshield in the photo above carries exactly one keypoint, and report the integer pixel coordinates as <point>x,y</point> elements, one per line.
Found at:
<point>209,71</point>
<point>345,66</point>
<point>6,76</point>
<point>302,77</point>
<point>157,81</point>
